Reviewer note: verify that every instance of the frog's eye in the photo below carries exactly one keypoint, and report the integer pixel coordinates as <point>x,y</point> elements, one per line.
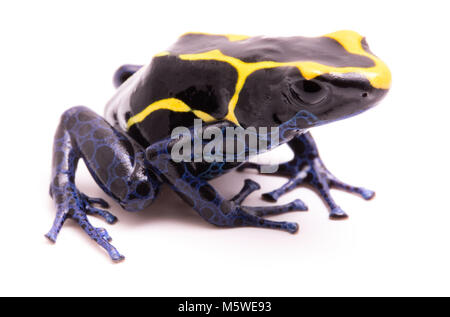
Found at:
<point>308,91</point>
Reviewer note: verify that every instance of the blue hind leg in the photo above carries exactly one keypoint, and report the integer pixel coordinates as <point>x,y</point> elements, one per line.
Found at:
<point>123,73</point>
<point>116,164</point>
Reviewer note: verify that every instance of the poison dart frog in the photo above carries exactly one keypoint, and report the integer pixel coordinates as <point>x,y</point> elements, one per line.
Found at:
<point>224,81</point>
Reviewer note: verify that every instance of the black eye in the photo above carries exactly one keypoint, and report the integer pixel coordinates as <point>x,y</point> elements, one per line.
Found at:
<point>308,91</point>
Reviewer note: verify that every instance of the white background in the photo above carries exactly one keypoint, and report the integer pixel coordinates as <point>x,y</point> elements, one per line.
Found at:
<point>55,55</point>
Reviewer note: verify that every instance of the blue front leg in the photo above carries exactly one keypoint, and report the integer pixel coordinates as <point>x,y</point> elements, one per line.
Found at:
<point>116,164</point>
<point>307,168</point>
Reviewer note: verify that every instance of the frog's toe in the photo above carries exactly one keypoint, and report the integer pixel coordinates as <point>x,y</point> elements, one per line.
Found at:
<point>299,205</point>
<point>246,216</point>
<point>296,205</point>
<point>99,235</point>
<point>109,217</point>
<point>76,206</point>
<point>249,187</point>
<point>93,200</point>
<point>104,234</point>
<point>292,227</point>
<point>116,256</point>
<point>51,236</point>
<point>367,194</point>
<point>338,214</point>
<point>271,196</point>
<point>60,218</point>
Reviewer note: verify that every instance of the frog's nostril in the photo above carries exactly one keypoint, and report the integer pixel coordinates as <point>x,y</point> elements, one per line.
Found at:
<point>364,94</point>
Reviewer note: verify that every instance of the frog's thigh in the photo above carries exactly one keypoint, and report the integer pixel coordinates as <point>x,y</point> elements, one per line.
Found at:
<point>115,161</point>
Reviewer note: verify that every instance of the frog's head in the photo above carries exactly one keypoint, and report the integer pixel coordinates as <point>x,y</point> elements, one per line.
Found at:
<point>331,93</point>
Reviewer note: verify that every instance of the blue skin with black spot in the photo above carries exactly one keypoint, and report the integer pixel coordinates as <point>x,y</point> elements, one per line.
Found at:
<point>84,134</point>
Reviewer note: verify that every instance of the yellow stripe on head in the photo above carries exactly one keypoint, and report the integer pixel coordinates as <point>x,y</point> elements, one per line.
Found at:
<point>236,37</point>
<point>378,75</point>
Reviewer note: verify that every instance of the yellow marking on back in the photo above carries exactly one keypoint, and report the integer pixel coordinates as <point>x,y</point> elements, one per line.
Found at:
<point>172,104</point>
<point>378,75</point>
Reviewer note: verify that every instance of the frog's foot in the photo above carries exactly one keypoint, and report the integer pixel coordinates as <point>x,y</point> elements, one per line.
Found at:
<point>89,201</point>
<point>109,217</point>
<point>253,215</point>
<point>313,173</point>
<point>77,206</point>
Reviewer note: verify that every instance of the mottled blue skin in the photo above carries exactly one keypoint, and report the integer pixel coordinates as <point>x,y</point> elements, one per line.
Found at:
<point>133,175</point>
<point>84,134</point>
<point>307,168</point>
